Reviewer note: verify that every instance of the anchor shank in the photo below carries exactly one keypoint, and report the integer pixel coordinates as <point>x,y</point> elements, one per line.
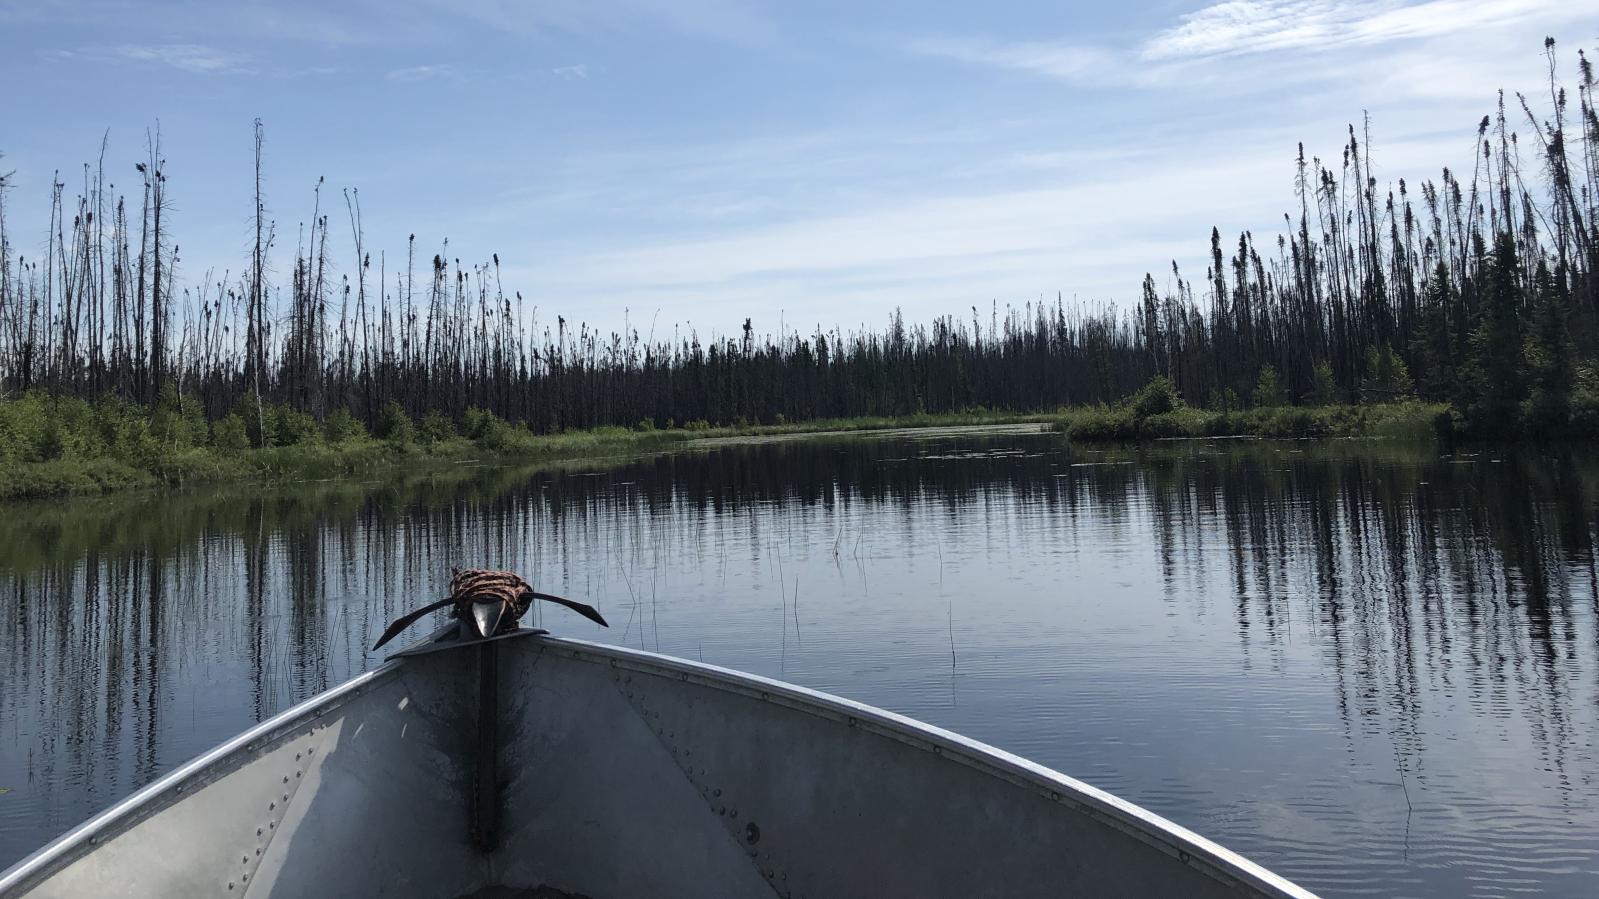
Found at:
<point>485,813</point>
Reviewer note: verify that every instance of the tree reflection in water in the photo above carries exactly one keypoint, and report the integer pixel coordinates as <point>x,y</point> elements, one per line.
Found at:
<point>1365,664</point>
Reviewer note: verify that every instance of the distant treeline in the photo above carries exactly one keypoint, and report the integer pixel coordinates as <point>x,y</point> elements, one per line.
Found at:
<point>1476,290</point>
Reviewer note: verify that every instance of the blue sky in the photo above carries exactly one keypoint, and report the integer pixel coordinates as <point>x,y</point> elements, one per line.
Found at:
<point>700,161</point>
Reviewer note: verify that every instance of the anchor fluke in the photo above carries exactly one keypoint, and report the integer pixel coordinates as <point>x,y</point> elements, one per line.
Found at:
<point>586,611</point>
<point>408,619</point>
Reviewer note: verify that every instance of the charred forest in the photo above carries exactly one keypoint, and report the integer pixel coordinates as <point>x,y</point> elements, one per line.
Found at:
<point>1476,289</point>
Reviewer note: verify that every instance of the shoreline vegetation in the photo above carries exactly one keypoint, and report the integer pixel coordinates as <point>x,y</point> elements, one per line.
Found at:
<point>1466,306</point>
<point>55,446</point>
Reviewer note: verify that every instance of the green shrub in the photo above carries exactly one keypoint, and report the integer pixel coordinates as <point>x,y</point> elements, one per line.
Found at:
<point>1286,421</point>
<point>291,426</point>
<point>394,425</point>
<point>51,444</point>
<point>41,428</point>
<point>1157,397</point>
<point>435,427</point>
<point>1225,400</point>
<point>1411,420</point>
<point>478,424</point>
<point>174,421</point>
<point>230,434</point>
<point>16,437</point>
<point>341,426</point>
<point>505,437</point>
<point>122,428</point>
<point>1164,424</point>
<point>1585,401</point>
<point>1101,423</point>
<point>251,415</point>
<point>10,447</point>
<point>495,433</point>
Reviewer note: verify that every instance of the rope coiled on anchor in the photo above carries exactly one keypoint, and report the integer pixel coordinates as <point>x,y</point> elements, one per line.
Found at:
<point>475,585</point>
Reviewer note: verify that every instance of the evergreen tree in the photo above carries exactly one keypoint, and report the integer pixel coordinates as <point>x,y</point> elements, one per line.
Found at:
<point>1323,385</point>
<point>1432,348</point>
<point>1551,370</point>
<point>1269,389</point>
<point>1387,377</point>
<point>1495,386</point>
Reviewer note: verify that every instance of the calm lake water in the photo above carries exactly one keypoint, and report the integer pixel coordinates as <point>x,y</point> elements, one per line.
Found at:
<point>1372,667</point>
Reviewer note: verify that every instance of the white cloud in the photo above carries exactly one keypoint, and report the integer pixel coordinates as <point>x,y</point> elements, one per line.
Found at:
<point>207,20</point>
<point>1016,243</point>
<point>196,58</point>
<point>1300,51</point>
<point>579,72</point>
<point>1061,60</point>
<point>420,73</point>
<point>733,21</point>
<point>188,57</point>
<point>1089,220</point>
<point>1255,26</point>
<point>412,22</point>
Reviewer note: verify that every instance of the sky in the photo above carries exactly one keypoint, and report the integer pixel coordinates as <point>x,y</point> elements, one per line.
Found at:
<point>697,162</point>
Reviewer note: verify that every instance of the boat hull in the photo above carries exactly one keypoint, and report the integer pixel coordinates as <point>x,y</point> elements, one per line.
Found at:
<point>618,773</point>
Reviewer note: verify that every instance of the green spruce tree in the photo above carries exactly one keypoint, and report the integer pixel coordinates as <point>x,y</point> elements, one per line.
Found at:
<point>1551,368</point>
<point>1323,384</point>
<point>1269,389</point>
<point>1495,387</point>
<point>1387,378</point>
<point>1432,347</point>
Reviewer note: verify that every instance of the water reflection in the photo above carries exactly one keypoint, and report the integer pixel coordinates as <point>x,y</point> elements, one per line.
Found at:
<point>1372,667</point>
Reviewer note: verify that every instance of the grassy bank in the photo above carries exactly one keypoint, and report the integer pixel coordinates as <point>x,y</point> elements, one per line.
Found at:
<point>52,446</point>
<point>1412,420</point>
<point>154,462</point>
<point>55,446</point>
